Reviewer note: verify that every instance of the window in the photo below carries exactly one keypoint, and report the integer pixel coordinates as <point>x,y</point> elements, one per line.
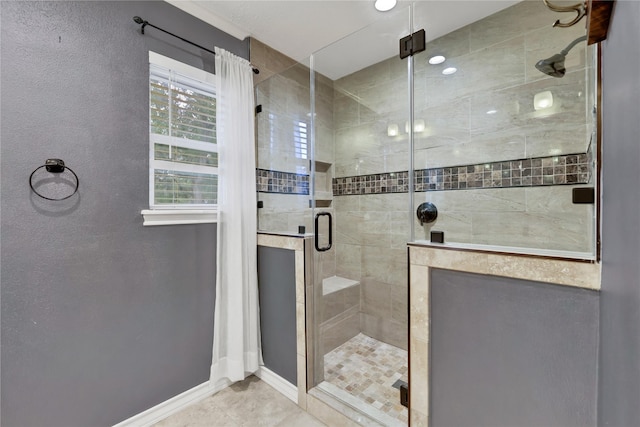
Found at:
<point>183,167</point>
<point>183,150</point>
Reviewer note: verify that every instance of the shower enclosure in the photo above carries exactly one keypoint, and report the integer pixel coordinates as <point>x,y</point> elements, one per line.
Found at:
<point>349,148</point>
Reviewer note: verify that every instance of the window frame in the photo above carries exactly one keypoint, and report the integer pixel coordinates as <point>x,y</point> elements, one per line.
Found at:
<point>169,214</point>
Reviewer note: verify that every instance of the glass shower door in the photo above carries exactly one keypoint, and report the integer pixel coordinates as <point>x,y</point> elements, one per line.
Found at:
<point>360,201</point>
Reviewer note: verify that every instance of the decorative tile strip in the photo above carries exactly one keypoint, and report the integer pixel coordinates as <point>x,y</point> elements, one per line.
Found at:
<point>379,183</point>
<point>533,172</point>
<point>268,181</point>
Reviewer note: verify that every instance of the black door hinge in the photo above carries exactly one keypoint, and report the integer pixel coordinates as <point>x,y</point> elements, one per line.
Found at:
<point>412,44</point>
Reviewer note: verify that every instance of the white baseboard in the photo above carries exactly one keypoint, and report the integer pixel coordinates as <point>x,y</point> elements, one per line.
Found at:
<point>173,405</point>
<point>280,384</point>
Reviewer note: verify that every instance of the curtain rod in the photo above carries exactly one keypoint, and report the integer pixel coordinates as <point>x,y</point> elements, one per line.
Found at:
<point>144,23</point>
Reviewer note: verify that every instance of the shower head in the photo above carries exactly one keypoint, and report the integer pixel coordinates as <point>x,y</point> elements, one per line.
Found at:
<point>554,66</point>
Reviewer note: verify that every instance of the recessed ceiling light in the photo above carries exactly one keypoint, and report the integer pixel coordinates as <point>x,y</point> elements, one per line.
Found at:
<point>492,111</point>
<point>385,5</point>
<point>449,70</point>
<point>438,59</point>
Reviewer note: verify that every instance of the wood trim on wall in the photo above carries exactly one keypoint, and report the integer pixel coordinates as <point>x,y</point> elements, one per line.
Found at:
<point>598,17</point>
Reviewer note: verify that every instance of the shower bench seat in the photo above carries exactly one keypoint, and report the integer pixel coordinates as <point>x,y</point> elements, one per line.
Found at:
<point>336,283</point>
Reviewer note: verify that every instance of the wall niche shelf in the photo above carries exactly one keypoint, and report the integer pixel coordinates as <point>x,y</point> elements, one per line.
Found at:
<point>323,184</point>
<point>321,203</point>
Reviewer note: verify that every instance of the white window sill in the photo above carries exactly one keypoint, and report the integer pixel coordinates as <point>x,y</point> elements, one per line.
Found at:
<point>179,216</point>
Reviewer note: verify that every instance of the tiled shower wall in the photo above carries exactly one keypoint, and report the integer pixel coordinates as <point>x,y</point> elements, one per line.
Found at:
<point>284,137</point>
<point>502,51</point>
<point>481,116</point>
<point>283,96</point>
<point>283,143</point>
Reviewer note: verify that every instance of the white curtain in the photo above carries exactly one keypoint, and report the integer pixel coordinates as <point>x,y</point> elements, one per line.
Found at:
<point>236,336</point>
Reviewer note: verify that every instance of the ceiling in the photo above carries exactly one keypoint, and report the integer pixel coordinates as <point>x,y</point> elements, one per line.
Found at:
<point>300,28</point>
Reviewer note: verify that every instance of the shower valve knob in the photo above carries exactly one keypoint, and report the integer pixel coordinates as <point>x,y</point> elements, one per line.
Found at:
<point>427,212</point>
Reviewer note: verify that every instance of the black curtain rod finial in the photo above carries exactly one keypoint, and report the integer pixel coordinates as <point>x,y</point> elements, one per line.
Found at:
<point>139,20</point>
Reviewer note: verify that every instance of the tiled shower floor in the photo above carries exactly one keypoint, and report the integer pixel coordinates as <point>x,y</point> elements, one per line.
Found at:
<point>367,369</point>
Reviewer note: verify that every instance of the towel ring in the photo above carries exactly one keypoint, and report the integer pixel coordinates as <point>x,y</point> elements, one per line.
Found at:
<point>54,166</point>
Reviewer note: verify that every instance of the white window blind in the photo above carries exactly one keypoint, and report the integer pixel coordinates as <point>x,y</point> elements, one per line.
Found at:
<point>183,154</point>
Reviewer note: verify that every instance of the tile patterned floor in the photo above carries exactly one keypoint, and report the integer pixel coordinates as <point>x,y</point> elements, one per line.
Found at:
<point>367,369</point>
<point>246,403</point>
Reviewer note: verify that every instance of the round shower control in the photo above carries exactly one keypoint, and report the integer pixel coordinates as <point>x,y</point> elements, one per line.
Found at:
<point>427,212</point>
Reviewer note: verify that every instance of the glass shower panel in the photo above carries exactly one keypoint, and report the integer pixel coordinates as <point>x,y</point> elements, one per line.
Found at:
<point>360,109</point>
<point>284,151</point>
<point>500,146</point>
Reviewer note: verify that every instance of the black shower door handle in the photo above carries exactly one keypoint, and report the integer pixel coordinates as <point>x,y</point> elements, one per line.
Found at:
<point>317,238</point>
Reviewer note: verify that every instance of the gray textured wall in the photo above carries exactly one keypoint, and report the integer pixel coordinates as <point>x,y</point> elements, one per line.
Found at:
<point>277,282</point>
<point>511,353</point>
<point>101,318</point>
<point>620,302</point>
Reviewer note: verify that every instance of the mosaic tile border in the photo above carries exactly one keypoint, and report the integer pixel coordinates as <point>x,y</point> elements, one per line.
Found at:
<point>533,172</point>
<point>269,181</point>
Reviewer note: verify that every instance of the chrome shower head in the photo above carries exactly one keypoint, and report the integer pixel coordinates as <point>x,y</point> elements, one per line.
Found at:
<point>554,66</point>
